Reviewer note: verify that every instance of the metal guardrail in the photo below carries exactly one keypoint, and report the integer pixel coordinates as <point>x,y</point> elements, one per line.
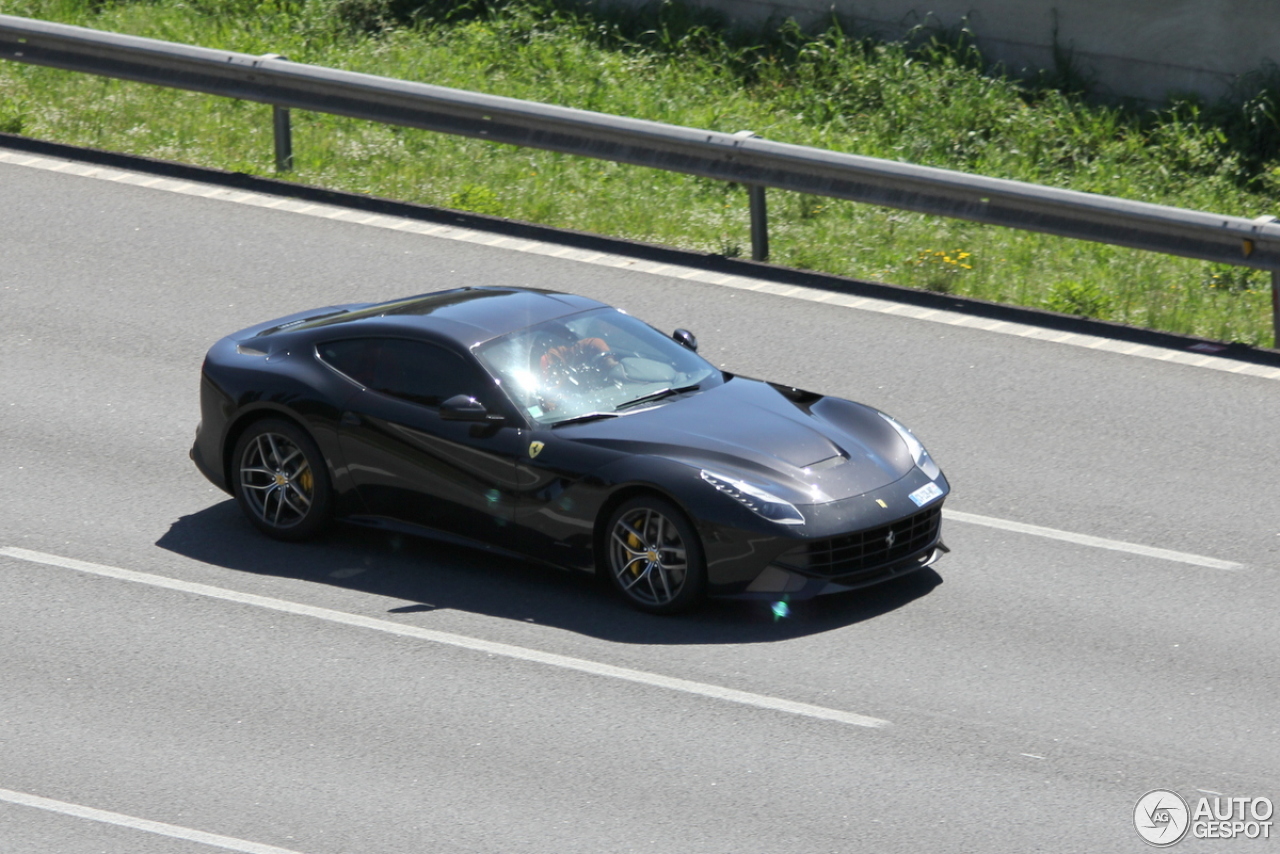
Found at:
<point>742,157</point>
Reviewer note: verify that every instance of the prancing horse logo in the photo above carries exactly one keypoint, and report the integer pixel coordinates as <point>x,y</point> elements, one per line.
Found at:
<point>535,448</point>
<point>888,541</point>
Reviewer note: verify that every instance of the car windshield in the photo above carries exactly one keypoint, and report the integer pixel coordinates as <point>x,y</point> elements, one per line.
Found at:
<point>596,363</point>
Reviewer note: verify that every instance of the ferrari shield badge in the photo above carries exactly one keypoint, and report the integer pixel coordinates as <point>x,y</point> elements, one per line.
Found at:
<point>535,448</point>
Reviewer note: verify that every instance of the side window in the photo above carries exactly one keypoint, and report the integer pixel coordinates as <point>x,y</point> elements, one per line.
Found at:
<point>410,370</point>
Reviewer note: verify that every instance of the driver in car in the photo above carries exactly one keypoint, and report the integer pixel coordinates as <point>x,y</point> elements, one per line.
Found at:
<point>570,352</point>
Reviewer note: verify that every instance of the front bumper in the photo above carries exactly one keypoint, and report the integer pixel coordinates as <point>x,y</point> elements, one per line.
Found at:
<point>845,545</point>
<point>781,581</point>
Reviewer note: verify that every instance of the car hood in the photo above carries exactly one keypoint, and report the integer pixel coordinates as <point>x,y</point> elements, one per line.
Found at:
<point>805,447</point>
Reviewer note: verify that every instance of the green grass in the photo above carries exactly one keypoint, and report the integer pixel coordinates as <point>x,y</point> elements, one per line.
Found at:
<point>929,100</point>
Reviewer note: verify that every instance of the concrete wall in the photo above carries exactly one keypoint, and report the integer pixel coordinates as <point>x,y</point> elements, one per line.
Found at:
<point>1136,48</point>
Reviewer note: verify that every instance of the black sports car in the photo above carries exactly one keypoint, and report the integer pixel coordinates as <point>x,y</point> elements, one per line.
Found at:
<point>557,428</point>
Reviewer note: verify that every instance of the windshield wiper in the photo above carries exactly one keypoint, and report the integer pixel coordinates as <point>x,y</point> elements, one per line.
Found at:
<point>657,395</point>
<point>579,419</point>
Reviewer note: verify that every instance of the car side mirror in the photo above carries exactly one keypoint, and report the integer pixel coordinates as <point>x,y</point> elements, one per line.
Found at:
<point>685,338</point>
<point>461,407</point>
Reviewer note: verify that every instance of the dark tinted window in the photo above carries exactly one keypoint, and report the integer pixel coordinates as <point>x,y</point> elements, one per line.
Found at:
<point>410,370</point>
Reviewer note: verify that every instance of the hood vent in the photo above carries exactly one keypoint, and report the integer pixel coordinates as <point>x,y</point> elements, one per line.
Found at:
<point>828,463</point>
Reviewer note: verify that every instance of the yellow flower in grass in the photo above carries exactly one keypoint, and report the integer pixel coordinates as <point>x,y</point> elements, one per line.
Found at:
<point>954,260</point>
<point>942,266</point>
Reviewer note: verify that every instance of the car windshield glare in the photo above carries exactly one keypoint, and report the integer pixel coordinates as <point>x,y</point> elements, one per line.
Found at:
<point>594,362</point>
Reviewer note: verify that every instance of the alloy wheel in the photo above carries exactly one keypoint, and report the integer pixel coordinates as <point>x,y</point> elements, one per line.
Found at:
<point>648,557</point>
<point>276,481</point>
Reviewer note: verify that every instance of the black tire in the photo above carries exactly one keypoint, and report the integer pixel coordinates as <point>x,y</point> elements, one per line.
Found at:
<point>653,557</point>
<point>281,481</point>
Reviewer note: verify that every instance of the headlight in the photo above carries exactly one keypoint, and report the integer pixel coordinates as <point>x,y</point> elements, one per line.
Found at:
<point>756,499</point>
<point>918,453</point>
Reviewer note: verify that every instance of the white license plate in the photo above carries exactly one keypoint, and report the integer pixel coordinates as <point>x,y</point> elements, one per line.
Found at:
<point>925,494</point>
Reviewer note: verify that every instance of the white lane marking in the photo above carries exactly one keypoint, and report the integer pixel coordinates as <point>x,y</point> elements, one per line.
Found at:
<point>1087,540</point>
<point>882,306</point>
<point>565,662</point>
<point>171,830</point>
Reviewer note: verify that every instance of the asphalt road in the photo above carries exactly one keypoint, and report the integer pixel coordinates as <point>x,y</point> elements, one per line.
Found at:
<point>1031,689</point>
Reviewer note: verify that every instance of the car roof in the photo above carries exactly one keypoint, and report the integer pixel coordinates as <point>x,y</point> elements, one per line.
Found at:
<point>468,315</point>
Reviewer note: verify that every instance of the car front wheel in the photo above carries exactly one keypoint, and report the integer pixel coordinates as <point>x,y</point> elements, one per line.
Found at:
<point>654,557</point>
<point>280,480</point>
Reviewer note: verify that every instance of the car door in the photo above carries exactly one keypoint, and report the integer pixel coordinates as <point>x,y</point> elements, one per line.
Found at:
<point>406,461</point>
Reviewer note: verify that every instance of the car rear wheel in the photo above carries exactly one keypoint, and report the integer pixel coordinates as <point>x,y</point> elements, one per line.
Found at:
<point>280,480</point>
<point>654,557</point>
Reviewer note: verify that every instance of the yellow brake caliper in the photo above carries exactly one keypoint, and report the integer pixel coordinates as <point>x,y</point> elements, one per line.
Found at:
<point>634,542</point>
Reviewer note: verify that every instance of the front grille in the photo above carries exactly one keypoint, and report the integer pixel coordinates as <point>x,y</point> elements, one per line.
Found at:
<point>851,556</point>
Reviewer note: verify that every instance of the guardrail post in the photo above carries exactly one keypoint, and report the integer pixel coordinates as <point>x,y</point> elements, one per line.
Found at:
<point>284,139</point>
<point>759,223</point>
<point>759,212</point>
<point>1275,308</point>
<point>1267,219</point>
<point>283,130</point>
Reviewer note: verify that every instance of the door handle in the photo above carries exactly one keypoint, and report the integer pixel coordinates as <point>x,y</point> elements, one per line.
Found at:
<point>349,419</point>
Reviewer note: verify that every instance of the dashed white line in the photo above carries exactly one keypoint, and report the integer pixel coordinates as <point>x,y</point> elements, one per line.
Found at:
<point>171,830</point>
<point>565,662</point>
<point>1088,540</point>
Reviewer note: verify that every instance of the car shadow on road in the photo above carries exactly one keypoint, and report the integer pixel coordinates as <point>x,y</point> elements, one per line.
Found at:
<point>427,575</point>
